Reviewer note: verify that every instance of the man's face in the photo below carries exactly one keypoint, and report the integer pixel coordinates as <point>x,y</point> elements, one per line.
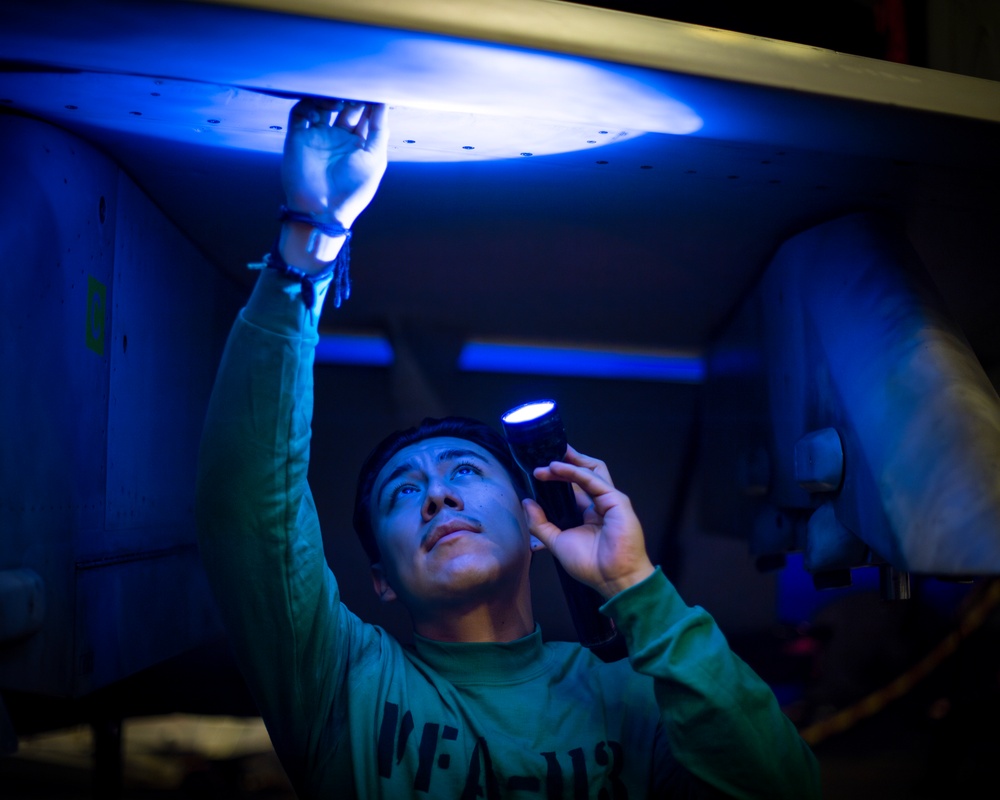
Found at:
<point>449,526</point>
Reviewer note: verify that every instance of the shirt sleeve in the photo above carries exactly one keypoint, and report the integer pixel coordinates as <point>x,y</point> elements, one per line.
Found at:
<point>722,722</point>
<point>259,533</point>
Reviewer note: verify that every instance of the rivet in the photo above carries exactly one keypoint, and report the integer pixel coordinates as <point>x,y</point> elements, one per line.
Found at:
<point>70,107</point>
<point>275,127</point>
<point>468,147</point>
<point>526,154</point>
<point>602,162</point>
<point>819,461</point>
<point>154,94</point>
<point>213,121</point>
<point>602,131</point>
<point>646,166</point>
<point>135,113</point>
<point>591,141</point>
<point>409,141</point>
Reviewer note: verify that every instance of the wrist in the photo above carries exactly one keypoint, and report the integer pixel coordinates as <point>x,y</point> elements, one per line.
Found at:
<point>308,248</point>
<point>339,213</point>
<point>627,581</point>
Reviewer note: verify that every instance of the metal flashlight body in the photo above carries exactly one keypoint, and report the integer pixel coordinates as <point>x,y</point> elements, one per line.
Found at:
<point>536,437</point>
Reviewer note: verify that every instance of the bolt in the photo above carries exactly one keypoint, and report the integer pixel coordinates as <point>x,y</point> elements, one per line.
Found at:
<point>819,461</point>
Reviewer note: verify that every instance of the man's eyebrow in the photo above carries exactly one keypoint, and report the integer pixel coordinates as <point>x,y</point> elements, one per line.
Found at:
<point>451,455</point>
<point>402,469</point>
<point>444,455</point>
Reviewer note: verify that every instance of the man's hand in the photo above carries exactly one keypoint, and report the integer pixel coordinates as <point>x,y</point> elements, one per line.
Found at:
<point>335,156</point>
<point>608,551</point>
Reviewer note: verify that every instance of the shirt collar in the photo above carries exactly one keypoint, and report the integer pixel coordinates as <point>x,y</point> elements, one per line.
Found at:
<point>485,662</point>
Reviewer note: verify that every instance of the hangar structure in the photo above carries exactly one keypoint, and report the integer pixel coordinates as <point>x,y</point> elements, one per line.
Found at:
<point>760,278</point>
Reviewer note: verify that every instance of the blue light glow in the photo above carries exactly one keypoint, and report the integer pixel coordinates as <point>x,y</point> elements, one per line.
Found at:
<point>354,348</point>
<point>451,100</point>
<point>671,366</point>
<point>798,598</point>
<point>531,359</point>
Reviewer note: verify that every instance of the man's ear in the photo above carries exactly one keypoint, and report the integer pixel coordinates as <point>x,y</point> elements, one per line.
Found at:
<point>381,584</point>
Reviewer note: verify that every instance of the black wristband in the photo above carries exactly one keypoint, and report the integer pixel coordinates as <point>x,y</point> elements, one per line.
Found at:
<point>338,271</point>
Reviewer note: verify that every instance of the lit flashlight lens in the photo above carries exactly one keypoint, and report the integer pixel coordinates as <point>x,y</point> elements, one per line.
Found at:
<point>528,412</point>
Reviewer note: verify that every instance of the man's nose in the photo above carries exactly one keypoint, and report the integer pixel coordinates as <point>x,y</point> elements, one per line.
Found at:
<point>440,494</point>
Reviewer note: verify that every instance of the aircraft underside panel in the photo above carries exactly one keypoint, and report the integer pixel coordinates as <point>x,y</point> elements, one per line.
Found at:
<point>851,415</point>
<point>115,326</point>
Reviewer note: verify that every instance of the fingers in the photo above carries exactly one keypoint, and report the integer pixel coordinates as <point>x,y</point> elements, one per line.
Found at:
<point>587,479</point>
<point>348,115</point>
<point>377,139</point>
<point>598,492</point>
<point>574,456</point>
<point>577,459</point>
<point>369,125</point>
<point>299,118</point>
<point>314,112</point>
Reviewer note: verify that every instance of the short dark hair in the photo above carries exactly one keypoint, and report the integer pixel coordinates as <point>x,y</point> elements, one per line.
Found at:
<point>472,430</point>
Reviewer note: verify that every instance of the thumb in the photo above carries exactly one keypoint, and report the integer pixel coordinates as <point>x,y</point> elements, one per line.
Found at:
<point>538,524</point>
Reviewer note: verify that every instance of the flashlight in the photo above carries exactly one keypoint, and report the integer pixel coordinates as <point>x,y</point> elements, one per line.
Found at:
<point>536,437</point>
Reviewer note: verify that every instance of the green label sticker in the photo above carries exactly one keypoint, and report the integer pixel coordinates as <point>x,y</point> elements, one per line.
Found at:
<point>96,313</point>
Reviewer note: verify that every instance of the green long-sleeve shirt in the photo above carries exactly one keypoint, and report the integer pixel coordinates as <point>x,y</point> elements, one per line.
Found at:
<point>352,713</point>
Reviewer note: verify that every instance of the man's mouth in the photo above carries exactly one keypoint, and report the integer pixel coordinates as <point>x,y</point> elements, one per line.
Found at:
<point>450,529</point>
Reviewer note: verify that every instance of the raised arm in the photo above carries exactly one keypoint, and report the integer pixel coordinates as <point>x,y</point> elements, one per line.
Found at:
<point>258,529</point>
<point>721,720</point>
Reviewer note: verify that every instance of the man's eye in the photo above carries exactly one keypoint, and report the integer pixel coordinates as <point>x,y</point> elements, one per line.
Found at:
<point>402,489</point>
<point>468,469</point>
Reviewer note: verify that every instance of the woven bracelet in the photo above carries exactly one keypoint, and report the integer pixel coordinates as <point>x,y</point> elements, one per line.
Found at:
<point>331,229</point>
<point>340,285</point>
<point>339,269</point>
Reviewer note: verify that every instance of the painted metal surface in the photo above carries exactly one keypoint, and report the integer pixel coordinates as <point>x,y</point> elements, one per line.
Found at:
<point>56,362</point>
<point>658,234</point>
<point>111,339</point>
<point>847,334</point>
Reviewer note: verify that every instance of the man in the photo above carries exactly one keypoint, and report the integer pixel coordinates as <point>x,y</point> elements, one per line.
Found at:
<point>479,706</point>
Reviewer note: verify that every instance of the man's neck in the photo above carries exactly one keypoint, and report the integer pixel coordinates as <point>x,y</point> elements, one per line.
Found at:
<point>499,621</point>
